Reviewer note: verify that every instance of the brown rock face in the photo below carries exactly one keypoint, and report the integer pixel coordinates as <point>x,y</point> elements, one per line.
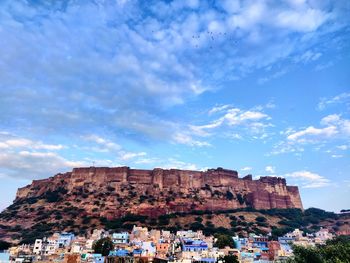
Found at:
<point>114,192</point>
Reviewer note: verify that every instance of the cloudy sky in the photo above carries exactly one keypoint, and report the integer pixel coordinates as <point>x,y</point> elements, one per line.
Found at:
<point>262,87</point>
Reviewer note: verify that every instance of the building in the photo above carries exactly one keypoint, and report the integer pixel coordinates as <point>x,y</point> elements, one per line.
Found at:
<point>193,245</point>
<point>49,245</point>
<point>162,249</point>
<point>148,249</point>
<point>323,235</point>
<point>120,253</point>
<point>65,239</point>
<point>38,245</point>
<point>120,238</point>
<point>274,250</point>
<point>190,234</point>
<point>260,242</point>
<point>139,233</point>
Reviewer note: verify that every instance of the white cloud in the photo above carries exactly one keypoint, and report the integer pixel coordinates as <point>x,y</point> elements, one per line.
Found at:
<point>301,20</point>
<point>287,147</point>
<point>310,133</point>
<point>347,182</point>
<point>336,156</point>
<point>330,119</point>
<point>30,159</point>
<point>270,169</point>
<point>127,74</point>
<point>253,121</point>
<point>308,56</point>
<point>339,99</point>
<point>234,136</point>
<point>231,6</point>
<point>169,163</point>
<point>104,144</point>
<point>176,164</point>
<point>251,15</point>
<point>131,155</point>
<point>308,179</point>
<point>335,128</point>
<point>11,141</point>
<point>217,109</point>
<point>33,164</point>
<point>343,147</point>
<point>246,169</point>
<point>275,75</point>
<point>186,139</point>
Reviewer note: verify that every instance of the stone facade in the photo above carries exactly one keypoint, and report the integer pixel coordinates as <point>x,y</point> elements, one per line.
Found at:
<point>165,191</point>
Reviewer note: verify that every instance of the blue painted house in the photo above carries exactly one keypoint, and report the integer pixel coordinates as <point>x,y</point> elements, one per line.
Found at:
<point>193,245</point>
<point>240,242</point>
<point>137,252</point>
<point>120,253</point>
<point>65,239</point>
<point>260,242</point>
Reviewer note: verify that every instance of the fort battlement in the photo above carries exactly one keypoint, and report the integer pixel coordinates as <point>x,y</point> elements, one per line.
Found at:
<point>214,189</point>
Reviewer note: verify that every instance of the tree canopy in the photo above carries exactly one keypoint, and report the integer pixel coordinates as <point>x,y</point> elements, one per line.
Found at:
<point>103,246</point>
<point>4,245</point>
<point>228,259</point>
<point>224,241</point>
<point>334,251</point>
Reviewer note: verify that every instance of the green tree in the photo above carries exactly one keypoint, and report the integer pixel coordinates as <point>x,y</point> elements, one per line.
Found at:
<point>260,219</point>
<point>305,254</point>
<point>223,241</point>
<point>229,195</point>
<point>103,246</point>
<point>4,245</point>
<point>228,259</point>
<point>334,251</point>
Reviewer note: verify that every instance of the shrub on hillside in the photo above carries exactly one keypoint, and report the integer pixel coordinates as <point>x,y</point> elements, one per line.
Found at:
<point>260,219</point>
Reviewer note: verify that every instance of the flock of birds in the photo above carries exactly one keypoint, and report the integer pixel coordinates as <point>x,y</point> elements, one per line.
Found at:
<point>213,36</point>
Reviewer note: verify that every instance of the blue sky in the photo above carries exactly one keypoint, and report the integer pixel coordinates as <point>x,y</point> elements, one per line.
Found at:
<point>261,87</point>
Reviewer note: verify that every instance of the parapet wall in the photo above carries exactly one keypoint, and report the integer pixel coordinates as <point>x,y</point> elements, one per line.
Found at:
<point>264,193</point>
<point>161,177</point>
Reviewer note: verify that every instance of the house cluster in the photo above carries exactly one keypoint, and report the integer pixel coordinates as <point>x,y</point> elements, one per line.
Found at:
<point>144,245</point>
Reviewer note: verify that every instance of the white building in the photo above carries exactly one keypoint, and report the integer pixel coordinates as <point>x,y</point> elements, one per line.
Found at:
<point>38,245</point>
<point>190,234</point>
<point>323,235</point>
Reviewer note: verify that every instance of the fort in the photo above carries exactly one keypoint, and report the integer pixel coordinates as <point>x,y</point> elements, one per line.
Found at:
<point>165,190</point>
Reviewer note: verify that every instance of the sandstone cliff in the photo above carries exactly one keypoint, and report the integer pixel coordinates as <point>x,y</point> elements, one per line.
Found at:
<point>154,192</point>
<point>116,198</point>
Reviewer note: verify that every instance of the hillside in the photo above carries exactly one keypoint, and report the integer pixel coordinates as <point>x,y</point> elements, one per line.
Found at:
<point>235,222</point>
<point>92,197</point>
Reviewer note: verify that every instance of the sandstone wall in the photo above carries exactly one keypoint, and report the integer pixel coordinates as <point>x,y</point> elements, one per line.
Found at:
<point>172,190</point>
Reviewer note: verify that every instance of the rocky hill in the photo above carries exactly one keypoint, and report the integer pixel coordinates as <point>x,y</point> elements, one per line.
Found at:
<point>94,194</point>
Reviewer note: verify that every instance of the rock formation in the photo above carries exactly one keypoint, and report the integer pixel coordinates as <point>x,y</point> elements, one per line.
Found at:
<point>114,192</point>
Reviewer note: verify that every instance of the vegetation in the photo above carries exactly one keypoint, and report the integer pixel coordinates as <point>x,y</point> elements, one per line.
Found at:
<point>229,195</point>
<point>196,226</point>
<point>4,245</point>
<point>336,250</point>
<point>260,219</point>
<point>103,246</point>
<point>55,196</point>
<point>240,199</point>
<point>39,230</point>
<point>228,259</point>
<point>51,220</point>
<point>223,240</point>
